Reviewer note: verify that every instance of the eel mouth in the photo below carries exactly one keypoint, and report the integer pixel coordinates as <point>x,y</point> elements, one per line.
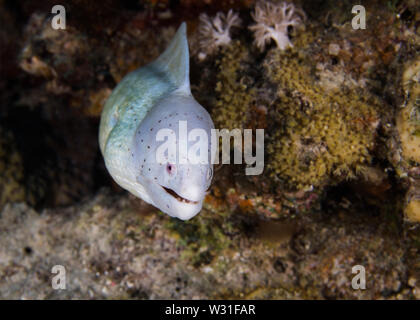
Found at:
<point>178,197</point>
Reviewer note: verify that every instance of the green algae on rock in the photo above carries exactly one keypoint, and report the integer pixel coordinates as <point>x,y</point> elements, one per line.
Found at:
<point>408,127</point>
<point>324,137</point>
<point>235,98</point>
<point>408,119</point>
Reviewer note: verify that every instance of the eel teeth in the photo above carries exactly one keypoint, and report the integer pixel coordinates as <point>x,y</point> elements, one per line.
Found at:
<point>178,197</point>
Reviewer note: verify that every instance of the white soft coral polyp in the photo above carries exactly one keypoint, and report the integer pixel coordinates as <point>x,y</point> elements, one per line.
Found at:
<point>215,32</point>
<point>272,22</point>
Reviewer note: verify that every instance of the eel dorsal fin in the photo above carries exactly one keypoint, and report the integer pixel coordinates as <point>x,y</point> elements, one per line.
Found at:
<point>175,61</point>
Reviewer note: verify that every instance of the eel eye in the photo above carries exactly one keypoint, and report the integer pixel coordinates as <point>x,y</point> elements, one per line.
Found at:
<point>170,168</point>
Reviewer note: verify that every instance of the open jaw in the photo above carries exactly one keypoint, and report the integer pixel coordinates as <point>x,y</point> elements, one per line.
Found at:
<point>178,197</point>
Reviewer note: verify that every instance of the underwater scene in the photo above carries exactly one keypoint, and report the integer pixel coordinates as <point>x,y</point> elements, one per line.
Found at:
<point>210,149</point>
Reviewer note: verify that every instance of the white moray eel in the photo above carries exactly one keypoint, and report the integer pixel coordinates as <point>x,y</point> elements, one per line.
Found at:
<point>154,97</point>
